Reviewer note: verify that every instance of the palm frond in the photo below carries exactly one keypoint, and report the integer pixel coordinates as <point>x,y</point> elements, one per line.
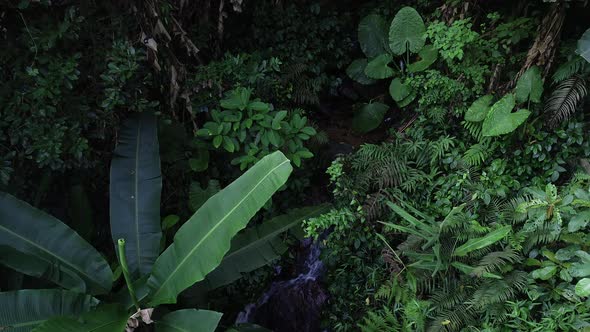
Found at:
<point>565,100</point>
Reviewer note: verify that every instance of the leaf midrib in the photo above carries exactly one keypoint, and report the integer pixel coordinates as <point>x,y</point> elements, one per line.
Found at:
<point>177,268</point>
<point>34,244</point>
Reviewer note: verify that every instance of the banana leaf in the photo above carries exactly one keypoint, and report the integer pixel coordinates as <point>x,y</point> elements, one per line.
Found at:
<point>106,318</point>
<point>189,320</point>
<point>258,246</point>
<point>135,188</point>
<point>200,244</point>
<point>482,242</point>
<point>24,309</point>
<point>35,243</point>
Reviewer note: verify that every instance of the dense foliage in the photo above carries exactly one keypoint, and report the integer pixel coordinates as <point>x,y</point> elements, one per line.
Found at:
<point>439,156</point>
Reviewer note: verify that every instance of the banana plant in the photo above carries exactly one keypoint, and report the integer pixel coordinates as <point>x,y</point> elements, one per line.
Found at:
<point>383,46</point>
<point>37,244</point>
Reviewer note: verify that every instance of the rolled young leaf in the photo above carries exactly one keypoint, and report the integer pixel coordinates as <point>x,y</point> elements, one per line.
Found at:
<point>189,320</point>
<point>135,188</point>
<point>55,251</point>
<point>200,244</point>
<point>24,309</point>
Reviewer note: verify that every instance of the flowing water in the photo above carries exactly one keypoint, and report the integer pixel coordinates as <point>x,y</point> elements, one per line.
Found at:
<point>294,304</point>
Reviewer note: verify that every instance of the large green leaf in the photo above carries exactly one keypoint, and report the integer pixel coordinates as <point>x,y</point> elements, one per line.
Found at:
<point>135,189</point>
<point>378,68</point>
<point>584,46</point>
<point>530,86</point>
<point>479,109</point>
<point>398,90</point>
<point>356,71</point>
<point>369,117</point>
<point>189,320</point>
<point>372,34</point>
<point>21,311</point>
<point>200,244</point>
<point>106,318</point>
<point>407,32</point>
<point>544,273</point>
<point>428,56</point>
<point>258,246</point>
<point>482,242</point>
<point>583,287</point>
<point>500,120</point>
<point>56,251</point>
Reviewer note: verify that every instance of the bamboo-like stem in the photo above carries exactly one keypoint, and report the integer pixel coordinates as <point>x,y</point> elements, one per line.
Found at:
<point>125,269</point>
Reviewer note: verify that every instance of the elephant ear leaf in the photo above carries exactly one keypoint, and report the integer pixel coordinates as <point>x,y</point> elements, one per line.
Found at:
<point>135,188</point>
<point>584,46</point>
<point>105,318</point>
<point>192,320</point>
<point>428,56</point>
<point>378,68</point>
<point>479,109</point>
<point>482,242</point>
<point>23,310</point>
<point>200,244</point>
<point>407,32</point>
<point>372,34</point>
<point>356,71</point>
<point>530,86</point>
<point>369,117</point>
<point>37,244</point>
<point>500,120</point>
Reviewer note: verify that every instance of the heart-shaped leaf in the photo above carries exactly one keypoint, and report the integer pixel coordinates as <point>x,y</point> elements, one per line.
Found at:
<point>428,56</point>
<point>372,34</point>
<point>356,71</point>
<point>530,86</point>
<point>407,32</point>
<point>398,90</point>
<point>500,120</point>
<point>479,109</point>
<point>378,68</point>
<point>369,117</point>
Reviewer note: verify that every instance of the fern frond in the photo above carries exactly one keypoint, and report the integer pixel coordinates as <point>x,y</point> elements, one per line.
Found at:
<point>565,100</point>
<point>495,261</point>
<point>569,69</point>
<point>474,129</point>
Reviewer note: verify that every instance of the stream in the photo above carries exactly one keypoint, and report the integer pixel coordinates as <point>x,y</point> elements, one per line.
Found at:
<point>294,304</point>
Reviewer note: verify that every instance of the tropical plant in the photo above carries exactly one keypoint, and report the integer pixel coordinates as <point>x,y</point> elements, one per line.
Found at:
<point>255,129</point>
<point>406,36</point>
<point>38,244</point>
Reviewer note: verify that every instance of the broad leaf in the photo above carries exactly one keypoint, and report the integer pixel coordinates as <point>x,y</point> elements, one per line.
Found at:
<point>56,251</point>
<point>500,120</point>
<point>189,320</point>
<point>200,244</point>
<point>479,109</point>
<point>584,46</point>
<point>135,188</point>
<point>237,99</point>
<point>530,86</point>
<point>106,318</point>
<point>482,242</point>
<point>24,309</point>
<point>407,32</point>
<point>545,273</point>
<point>583,287</point>
<point>356,71</point>
<point>378,68</point>
<point>428,56</point>
<point>578,221</point>
<point>369,117</point>
<point>372,34</point>
<point>398,90</point>
<point>258,246</point>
